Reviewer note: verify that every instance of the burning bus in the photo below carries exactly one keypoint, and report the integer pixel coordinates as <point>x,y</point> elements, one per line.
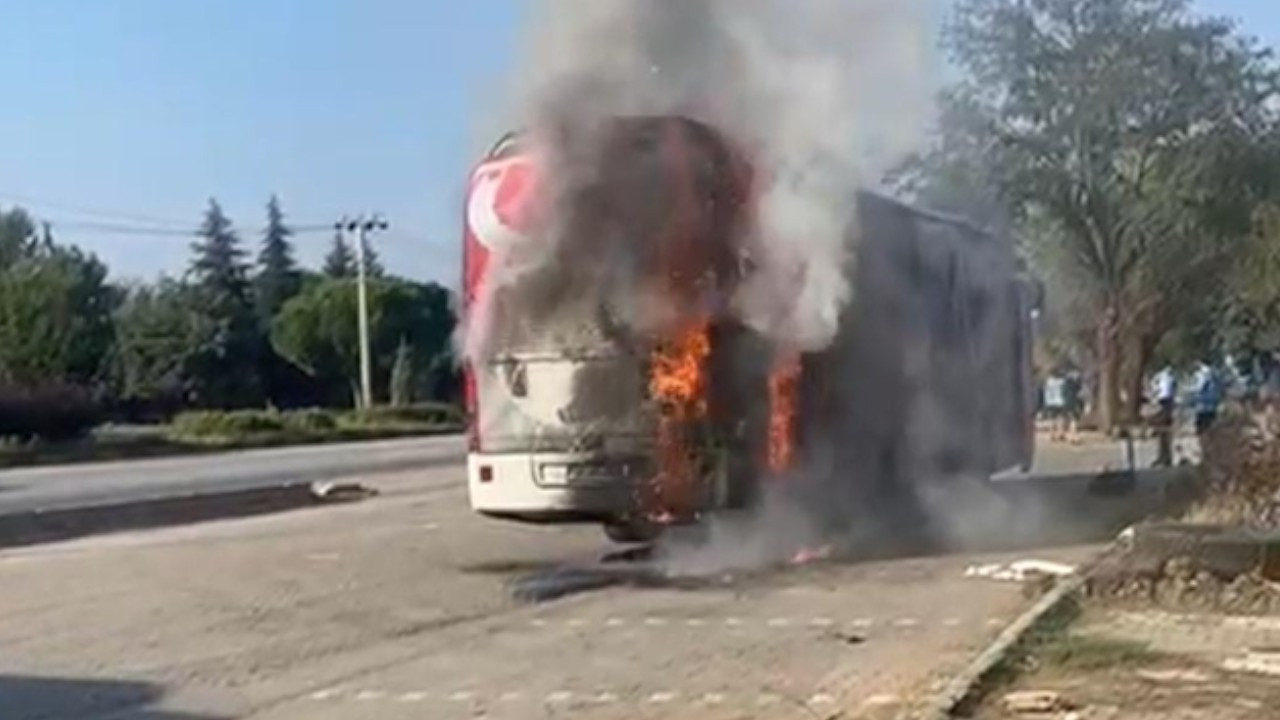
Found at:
<point>610,379</point>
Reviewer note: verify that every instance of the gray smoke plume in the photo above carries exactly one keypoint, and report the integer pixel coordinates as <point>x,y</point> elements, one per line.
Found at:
<point>824,96</point>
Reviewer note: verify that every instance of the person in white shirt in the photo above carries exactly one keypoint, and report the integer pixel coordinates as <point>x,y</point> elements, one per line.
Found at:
<point>1055,405</point>
<point>1164,390</point>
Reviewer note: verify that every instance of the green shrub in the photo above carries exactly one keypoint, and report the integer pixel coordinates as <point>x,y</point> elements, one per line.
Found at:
<point>53,412</point>
<point>313,424</point>
<point>213,424</point>
<point>420,414</point>
<point>310,421</point>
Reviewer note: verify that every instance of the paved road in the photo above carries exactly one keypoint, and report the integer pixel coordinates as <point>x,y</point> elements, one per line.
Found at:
<point>78,485</point>
<point>401,607</point>
<point>66,486</point>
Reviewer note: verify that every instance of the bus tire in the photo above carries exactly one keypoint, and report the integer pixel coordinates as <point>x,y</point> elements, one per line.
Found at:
<point>630,531</point>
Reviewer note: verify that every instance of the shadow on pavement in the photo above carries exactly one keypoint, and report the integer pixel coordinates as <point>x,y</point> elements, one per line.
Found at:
<point>44,698</point>
<point>34,527</point>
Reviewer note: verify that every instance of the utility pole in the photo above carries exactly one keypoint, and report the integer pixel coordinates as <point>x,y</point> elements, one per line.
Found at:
<point>359,228</point>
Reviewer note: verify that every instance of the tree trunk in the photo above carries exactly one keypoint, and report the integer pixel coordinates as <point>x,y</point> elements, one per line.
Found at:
<point>1108,370</point>
<point>1137,372</point>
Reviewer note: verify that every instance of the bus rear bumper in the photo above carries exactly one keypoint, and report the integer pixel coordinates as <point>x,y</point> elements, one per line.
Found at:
<point>552,488</point>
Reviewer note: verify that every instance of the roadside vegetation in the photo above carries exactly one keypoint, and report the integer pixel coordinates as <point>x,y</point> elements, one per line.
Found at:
<point>1133,149</point>
<point>207,431</point>
<point>235,352</point>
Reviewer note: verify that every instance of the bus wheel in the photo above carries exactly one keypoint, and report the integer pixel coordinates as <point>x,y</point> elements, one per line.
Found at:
<point>631,531</point>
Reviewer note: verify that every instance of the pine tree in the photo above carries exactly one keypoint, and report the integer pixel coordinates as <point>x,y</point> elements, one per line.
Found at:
<point>340,262</point>
<point>372,263</point>
<point>219,266</point>
<point>227,368</point>
<point>278,278</point>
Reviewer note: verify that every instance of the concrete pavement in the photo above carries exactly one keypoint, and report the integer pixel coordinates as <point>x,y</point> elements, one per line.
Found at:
<point>401,607</point>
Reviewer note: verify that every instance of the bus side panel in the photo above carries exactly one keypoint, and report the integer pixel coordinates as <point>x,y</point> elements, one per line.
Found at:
<point>921,394</point>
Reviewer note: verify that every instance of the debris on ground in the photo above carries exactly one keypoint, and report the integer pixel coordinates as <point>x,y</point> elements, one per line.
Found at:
<point>1110,664</point>
<point>1257,662</point>
<point>1179,619</point>
<point>1224,555</point>
<point>1229,573</point>
<point>341,491</point>
<point>1175,676</point>
<point>1020,571</point>
<point>1026,702</point>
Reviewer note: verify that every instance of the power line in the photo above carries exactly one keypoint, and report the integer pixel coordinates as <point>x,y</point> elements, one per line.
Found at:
<point>128,217</point>
<point>122,229</point>
<point>127,223</point>
<point>116,229</point>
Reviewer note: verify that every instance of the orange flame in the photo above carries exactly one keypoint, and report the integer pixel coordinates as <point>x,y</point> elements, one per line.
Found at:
<point>678,382</point>
<point>783,388</point>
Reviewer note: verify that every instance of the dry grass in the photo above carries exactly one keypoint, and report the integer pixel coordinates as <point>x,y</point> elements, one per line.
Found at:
<point>1087,653</point>
<point>1241,471</point>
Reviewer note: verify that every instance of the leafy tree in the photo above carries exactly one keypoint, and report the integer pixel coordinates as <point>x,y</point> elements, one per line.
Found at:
<point>161,332</point>
<point>1098,127</point>
<point>318,329</point>
<point>55,308</point>
<point>340,262</point>
<point>278,278</point>
<point>226,369</point>
<point>403,373</point>
<point>54,320</point>
<point>17,236</point>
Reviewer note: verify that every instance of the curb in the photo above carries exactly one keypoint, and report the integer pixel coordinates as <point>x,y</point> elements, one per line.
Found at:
<point>960,688</point>
<point>33,527</point>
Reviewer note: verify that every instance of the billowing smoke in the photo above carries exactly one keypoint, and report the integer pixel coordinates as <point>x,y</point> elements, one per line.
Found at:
<point>823,95</point>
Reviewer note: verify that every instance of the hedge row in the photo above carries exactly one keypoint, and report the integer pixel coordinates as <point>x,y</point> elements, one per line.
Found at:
<point>52,413</point>
<point>217,426</point>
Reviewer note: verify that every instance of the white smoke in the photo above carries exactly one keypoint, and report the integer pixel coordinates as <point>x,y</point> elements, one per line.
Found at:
<point>823,95</point>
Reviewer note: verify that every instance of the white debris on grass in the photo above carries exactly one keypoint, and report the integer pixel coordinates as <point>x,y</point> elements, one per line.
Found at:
<point>1256,662</point>
<point>1027,702</point>
<point>1019,571</point>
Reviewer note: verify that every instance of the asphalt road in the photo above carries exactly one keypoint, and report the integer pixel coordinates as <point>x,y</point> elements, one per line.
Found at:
<point>403,607</point>
<point>67,486</point>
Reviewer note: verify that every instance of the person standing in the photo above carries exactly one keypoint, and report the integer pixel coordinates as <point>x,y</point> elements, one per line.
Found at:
<point>1165,393</point>
<point>1055,405</point>
<point>1073,388</point>
<point>1208,396</point>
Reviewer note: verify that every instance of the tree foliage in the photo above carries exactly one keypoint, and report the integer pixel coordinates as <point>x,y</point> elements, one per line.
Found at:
<point>318,329</point>
<point>161,332</point>
<point>340,262</point>
<point>225,369</point>
<point>55,308</point>
<point>278,278</point>
<point>372,262</point>
<point>404,370</point>
<point>1118,136</point>
<point>207,340</point>
<point>17,236</point>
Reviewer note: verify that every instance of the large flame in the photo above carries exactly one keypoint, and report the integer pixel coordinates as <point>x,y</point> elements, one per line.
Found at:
<point>678,383</point>
<point>783,386</point>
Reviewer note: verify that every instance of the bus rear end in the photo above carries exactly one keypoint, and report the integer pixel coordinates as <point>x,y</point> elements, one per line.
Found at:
<point>572,401</point>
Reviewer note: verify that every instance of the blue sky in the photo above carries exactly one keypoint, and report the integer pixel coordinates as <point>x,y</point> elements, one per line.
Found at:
<point>147,108</point>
